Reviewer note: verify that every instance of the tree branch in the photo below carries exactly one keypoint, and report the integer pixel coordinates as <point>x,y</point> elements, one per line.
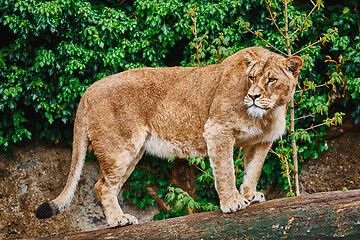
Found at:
<point>273,19</point>
<point>308,46</point>
<point>200,169</point>
<point>310,115</point>
<point>301,29</point>
<point>270,45</point>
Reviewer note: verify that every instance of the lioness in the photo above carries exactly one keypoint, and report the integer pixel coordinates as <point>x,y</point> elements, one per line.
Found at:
<point>182,111</point>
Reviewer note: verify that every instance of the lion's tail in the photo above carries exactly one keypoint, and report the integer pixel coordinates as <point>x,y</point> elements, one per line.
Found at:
<point>80,144</point>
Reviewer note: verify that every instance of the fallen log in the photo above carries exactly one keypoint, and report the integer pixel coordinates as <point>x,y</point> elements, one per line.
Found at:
<point>320,215</point>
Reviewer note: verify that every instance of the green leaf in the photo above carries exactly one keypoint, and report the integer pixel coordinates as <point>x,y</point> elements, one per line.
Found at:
<point>268,168</point>
<point>171,159</point>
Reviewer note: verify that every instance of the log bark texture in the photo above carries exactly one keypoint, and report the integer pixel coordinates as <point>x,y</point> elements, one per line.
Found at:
<point>313,216</point>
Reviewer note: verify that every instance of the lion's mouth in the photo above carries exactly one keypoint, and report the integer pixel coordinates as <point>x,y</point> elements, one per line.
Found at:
<point>256,111</point>
<point>258,106</point>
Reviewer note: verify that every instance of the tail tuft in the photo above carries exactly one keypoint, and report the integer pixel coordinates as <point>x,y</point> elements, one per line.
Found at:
<point>47,210</point>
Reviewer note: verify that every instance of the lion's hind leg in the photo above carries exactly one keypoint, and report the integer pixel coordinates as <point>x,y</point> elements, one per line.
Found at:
<point>116,167</point>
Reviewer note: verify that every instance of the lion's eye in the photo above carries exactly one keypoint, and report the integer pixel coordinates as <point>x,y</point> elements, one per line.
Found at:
<point>251,78</point>
<point>271,80</point>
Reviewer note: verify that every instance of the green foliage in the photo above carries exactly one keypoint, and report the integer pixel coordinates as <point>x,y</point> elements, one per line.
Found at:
<point>136,191</point>
<point>179,200</point>
<point>138,194</point>
<point>55,49</point>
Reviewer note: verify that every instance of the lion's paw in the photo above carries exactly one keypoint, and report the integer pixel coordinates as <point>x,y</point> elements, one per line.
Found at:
<point>255,197</point>
<point>122,220</point>
<point>234,205</point>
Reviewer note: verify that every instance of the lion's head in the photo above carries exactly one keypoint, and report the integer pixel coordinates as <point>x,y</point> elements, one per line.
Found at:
<point>271,81</point>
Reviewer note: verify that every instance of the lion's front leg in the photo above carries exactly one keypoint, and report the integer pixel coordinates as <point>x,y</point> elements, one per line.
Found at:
<point>220,150</point>
<point>254,161</point>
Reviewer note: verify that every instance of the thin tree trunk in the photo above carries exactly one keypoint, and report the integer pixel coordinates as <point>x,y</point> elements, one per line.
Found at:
<point>292,108</point>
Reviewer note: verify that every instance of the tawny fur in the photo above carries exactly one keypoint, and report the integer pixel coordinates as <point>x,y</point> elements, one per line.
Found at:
<point>179,111</point>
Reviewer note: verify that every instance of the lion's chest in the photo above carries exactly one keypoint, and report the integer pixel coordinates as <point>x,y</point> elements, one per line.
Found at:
<point>255,132</point>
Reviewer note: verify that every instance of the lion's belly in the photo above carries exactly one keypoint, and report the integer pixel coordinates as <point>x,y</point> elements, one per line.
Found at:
<point>163,148</point>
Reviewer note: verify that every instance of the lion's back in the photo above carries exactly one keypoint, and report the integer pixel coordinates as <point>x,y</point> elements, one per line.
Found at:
<point>176,98</point>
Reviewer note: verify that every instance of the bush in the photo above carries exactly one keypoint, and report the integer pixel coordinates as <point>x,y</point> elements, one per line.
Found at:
<point>55,49</point>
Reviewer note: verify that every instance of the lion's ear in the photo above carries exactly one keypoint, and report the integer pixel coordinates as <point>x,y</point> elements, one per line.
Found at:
<point>294,65</point>
<point>250,58</point>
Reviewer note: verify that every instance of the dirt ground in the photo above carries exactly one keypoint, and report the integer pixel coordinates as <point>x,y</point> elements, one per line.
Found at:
<point>335,169</point>
<point>38,173</point>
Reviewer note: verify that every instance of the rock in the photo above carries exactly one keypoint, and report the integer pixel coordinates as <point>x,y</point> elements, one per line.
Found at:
<point>38,173</point>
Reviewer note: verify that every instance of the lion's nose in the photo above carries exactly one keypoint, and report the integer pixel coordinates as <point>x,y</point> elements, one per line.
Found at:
<point>254,96</point>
